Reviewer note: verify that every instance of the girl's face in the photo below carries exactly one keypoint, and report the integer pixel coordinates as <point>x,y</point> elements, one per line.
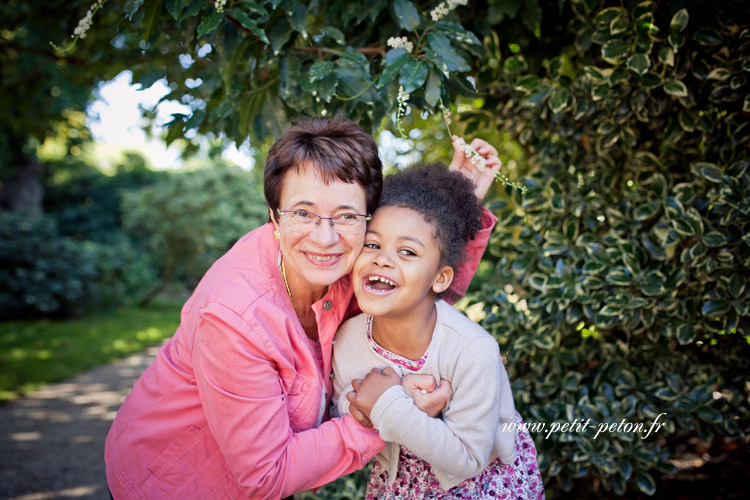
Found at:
<point>399,268</point>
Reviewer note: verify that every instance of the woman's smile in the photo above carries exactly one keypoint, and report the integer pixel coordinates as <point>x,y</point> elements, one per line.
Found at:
<point>316,256</point>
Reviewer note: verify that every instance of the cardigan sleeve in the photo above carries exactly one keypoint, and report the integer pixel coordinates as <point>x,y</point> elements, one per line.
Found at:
<point>460,444</point>
<point>245,407</point>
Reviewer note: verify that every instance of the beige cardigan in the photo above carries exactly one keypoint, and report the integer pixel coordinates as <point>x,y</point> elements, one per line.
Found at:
<point>461,443</point>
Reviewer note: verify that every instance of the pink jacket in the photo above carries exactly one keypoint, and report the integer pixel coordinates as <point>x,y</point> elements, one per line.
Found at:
<point>230,408</point>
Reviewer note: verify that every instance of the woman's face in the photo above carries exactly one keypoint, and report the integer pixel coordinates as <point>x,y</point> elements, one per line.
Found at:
<point>320,257</point>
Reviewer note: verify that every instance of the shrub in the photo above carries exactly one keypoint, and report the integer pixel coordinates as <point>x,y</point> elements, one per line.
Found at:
<point>629,254</point>
<point>192,218</point>
<point>42,273</point>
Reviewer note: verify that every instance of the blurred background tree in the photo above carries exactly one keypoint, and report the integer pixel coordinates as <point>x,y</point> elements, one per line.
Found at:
<point>617,286</point>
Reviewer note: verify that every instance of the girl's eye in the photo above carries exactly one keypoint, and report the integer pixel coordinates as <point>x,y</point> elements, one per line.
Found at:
<point>371,245</point>
<point>406,251</point>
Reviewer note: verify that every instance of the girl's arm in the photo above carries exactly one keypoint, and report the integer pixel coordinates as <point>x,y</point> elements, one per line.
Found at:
<point>459,444</point>
<point>242,397</point>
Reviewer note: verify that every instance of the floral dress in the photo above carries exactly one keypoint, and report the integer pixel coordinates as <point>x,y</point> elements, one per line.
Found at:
<point>415,480</point>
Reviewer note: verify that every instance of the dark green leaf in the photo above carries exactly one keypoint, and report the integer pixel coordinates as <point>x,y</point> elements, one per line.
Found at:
<point>209,23</point>
<point>130,7</point>
<point>433,88</point>
<point>714,308</point>
<point>249,24</point>
<point>676,41</point>
<point>153,13</point>
<point>675,88</point>
<point>413,75</point>
<point>614,50</point>
<point>737,285</point>
<point>394,67</point>
<point>320,70</point>
<point>714,239</point>
<point>515,64</point>
<point>443,48</point>
<point>335,34</point>
<point>297,16</point>
<point>742,308</point>
<point>679,21</point>
<point>583,39</point>
<point>651,80</point>
<point>559,100</point>
<point>174,7</point>
<point>685,333</point>
<point>406,15</point>
<point>639,63</point>
<point>666,56</point>
<point>457,33</point>
<point>707,36</point>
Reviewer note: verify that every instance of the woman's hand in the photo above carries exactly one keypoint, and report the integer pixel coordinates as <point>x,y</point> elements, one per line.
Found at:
<point>482,180</point>
<point>368,390</point>
<point>427,396</point>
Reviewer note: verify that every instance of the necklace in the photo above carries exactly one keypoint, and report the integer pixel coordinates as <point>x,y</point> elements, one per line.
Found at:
<point>289,292</point>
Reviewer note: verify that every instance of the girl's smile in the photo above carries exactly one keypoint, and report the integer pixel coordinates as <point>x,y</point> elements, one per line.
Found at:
<point>399,270</point>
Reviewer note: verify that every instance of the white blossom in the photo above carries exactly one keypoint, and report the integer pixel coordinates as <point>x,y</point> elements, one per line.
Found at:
<point>470,152</point>
<point>219,5</point>
<point>444,8</point>
<point>85,23</point>
<point>400,42</point>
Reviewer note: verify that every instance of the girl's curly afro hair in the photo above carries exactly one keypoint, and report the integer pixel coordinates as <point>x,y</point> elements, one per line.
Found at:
<point>444,198</point>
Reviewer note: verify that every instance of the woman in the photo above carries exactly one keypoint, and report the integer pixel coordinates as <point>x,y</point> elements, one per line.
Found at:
<point>234,406</point>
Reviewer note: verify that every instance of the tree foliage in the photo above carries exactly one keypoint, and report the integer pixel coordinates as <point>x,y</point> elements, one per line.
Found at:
<point>618,287</point>
<point>629,254</point>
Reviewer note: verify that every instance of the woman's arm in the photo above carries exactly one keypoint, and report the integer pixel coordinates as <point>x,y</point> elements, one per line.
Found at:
<point>459,444</point>
<point>242,397</point>
<point>482,180</point>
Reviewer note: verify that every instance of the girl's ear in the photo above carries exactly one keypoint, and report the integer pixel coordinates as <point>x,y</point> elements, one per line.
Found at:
<point>443,279</point>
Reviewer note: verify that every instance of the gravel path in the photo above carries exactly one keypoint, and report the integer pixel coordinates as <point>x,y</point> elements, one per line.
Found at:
<point>52,441</point>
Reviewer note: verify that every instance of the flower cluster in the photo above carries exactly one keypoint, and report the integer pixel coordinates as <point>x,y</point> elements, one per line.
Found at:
<point>481,164</point>
<point>219,4</point>
<point>402,98</point>
<point>470,152</point>
<point>444,8</point>
<point>400,42</point>
<point>85,23</point>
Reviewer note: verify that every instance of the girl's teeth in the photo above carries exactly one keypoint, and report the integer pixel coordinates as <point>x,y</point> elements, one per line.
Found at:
<point>384,280</point>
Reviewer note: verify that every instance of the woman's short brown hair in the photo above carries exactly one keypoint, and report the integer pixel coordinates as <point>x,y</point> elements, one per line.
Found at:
<point>337,147</point>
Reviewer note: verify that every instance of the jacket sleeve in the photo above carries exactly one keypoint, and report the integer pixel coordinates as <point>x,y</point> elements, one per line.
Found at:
<point>474,250</point>
<point>460,444</point>
<point>241,394</point>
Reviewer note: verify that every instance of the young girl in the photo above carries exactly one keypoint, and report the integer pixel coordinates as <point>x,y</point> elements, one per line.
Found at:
<point>414,242</point>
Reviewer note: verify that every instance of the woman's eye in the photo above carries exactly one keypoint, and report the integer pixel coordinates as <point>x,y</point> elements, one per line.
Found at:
<point>303,213</point>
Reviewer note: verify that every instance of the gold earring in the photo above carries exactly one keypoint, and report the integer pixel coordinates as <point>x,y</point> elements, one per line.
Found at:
<point>276,234</point>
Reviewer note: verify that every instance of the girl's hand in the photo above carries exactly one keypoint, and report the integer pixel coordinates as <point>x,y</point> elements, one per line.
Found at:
<point>368,390</point>
<point>426,395</point>
<point>359,416</point>
<point>482,180</point>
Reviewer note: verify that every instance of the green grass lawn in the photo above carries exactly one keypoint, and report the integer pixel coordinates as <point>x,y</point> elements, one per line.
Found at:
<point>34,353</point>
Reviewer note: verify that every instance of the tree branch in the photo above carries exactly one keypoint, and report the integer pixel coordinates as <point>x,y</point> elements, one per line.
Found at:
<point>317,50</point>
<point>44,53</point>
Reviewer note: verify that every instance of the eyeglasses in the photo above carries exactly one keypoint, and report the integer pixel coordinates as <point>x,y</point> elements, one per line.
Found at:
<point>306,221</point>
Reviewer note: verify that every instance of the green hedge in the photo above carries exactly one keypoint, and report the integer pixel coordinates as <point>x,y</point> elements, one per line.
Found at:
<point>46,274</point>
<point>630,253</point>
